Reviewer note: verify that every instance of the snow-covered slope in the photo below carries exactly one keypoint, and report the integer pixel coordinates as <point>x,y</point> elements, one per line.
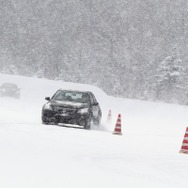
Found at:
<point>36,156</point>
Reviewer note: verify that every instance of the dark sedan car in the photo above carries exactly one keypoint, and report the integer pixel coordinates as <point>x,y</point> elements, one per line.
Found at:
<point>10,90</point>
<point>72,107</point>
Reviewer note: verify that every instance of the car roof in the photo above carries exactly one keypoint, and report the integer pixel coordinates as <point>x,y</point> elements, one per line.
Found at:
<point>80,91</point>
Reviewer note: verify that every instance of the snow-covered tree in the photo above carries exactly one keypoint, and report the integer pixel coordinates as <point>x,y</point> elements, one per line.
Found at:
<point>170,79</point>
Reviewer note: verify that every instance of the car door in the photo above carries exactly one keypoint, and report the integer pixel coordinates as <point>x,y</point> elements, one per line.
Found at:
<point>94,106</point>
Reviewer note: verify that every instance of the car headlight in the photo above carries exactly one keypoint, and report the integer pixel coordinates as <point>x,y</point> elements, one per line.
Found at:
<point>83,110</point>
<point>47,106</point>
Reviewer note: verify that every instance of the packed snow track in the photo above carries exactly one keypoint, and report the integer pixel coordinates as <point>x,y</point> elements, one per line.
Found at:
<point>34,155</point>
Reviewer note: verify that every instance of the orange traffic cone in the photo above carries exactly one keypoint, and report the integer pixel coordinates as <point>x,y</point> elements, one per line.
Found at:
<point>109,118</point>
<point>117,129</point>
<point>184,147</point>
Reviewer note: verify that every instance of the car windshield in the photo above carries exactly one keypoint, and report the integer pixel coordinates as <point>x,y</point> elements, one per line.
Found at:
<point>71,96</point>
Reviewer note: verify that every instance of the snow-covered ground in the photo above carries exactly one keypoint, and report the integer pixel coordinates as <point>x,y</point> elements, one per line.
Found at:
<point>33,155</point>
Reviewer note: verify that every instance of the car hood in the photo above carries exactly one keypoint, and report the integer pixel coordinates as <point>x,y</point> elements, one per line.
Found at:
<point>69,104</point>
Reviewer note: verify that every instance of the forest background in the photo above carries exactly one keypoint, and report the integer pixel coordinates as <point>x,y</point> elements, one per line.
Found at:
<point>129,48</point>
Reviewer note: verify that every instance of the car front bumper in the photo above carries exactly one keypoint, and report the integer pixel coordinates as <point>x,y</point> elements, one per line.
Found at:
<point>50,116</point>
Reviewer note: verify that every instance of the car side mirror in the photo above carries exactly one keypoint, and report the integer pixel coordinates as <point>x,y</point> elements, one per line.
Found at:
<point>96,104</point>
<point>47,98</point>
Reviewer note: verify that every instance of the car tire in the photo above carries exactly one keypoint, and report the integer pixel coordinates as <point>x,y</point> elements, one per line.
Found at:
<point>87,123</point>
<point>97,121</point>
<point>17,96</point>
<point>45,123</point>
<point>44,120</point>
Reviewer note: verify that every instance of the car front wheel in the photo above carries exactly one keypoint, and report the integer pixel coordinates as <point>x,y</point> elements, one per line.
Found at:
<point>87,125</point>
<point>97,120</point>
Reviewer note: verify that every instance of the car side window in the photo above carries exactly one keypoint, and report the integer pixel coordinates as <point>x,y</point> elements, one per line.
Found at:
<point>94,101</point>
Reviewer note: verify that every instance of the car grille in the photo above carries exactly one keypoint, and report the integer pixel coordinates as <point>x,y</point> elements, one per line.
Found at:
<point>63,110</point>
